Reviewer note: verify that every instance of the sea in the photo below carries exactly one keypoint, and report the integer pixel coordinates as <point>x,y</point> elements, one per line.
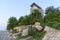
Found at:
<point>4,34</point>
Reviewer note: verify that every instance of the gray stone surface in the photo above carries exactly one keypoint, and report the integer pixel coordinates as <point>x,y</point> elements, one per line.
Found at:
<point>52,36</point>
<point>49,29</point>
<point>4,35</point>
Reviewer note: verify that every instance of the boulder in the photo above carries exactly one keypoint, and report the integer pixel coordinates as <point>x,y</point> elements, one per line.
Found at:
<point>52,36</point>
<point>49,29</point>
<point>20,28</point>
<point>24,32</point>
<point>37,26</point>
<point>37,23</point>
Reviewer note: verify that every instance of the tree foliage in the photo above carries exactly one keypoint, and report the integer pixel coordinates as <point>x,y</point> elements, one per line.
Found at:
<point>12,22</point>
<point>52,16</point>
<point>35,16</point>
<point>52,10</point>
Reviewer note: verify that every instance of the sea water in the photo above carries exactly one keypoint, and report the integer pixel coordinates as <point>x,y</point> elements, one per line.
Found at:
<point>4,35</point>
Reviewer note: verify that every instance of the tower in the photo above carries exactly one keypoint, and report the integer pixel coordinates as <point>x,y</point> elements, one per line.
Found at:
<point>35,6</point>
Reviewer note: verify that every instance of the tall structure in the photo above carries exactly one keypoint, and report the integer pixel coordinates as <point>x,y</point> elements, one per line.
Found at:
<point>35,6</point>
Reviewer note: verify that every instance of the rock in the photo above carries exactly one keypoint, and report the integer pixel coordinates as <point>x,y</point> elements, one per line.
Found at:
<point>37,26</point>
<point>20,28</point>
<point>29,38</point>
<point>52,36</point>
<point>37,23</point>
<point>49,29</point>
<point>24,32</point>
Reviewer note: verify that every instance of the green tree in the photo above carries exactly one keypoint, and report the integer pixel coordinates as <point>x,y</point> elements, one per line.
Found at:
<point>36,16</point>
<point>12,22</point>
<point>21,20</point>
<point>24,20</point>
<point>50,9</point>
<point>52,16</point>
<point>27,20</point>
<point>30,19</point>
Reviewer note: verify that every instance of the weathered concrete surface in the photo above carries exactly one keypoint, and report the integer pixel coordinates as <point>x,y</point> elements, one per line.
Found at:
<point>4,35</point>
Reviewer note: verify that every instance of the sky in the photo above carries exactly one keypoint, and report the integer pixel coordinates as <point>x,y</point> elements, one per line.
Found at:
<point>18,8</point>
